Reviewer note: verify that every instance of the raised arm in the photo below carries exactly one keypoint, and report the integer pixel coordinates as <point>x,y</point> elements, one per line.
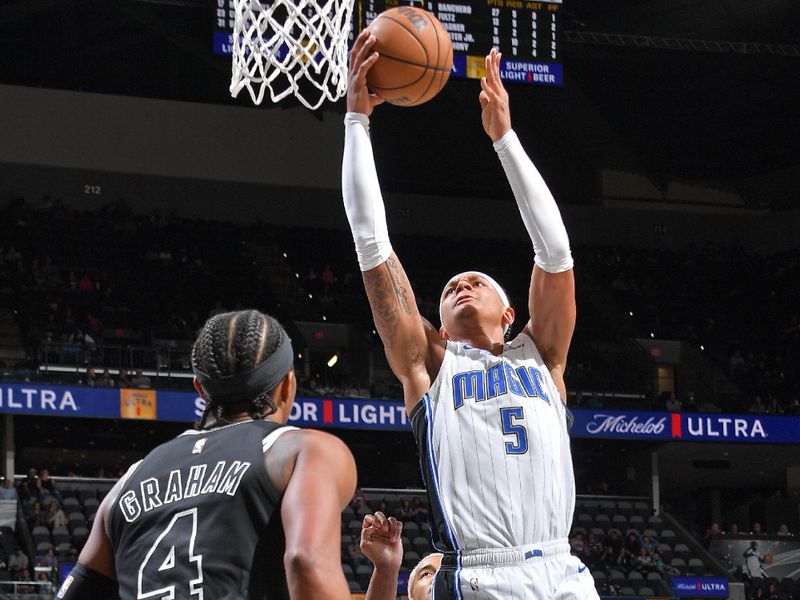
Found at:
<point>381,543</point>
<point>551,299</point>
<point>322,481</point>
<point>412,345</point>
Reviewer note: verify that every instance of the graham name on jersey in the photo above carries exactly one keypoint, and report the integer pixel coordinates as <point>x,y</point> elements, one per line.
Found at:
<point>155,492</point>
<point>527,382</point>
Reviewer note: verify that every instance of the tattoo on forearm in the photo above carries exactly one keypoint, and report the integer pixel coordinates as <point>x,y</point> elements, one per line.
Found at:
<point>386,289</point>
<point>397,274</point>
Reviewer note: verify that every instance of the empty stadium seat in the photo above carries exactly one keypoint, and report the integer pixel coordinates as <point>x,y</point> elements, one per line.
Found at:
<point>682,551</point>
<point>668,536</point>
<point>625,509</point>
<point>696,566</point>
<point>645,591</point>
<point>410,559</point>
<point>679,564</point>
<point>619,521</point>
<point>655,523</point>
<point>421,545</point>
<point>71,504</point>
<point>627,591</point>
<point>642,509</point>
<point>60,535</point>
<point>40,533</point>
<point>76,519</point>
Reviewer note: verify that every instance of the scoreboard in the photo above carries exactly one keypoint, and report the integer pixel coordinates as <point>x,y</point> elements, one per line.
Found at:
<point>528,34</point>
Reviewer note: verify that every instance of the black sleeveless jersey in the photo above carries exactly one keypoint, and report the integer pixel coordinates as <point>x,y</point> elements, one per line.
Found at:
<point>199,519</point>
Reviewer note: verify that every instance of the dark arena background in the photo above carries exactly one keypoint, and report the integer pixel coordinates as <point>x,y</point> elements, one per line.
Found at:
<point>138,198</point>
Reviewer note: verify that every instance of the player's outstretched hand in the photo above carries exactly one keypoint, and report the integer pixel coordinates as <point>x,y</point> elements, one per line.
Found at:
<point>359,98</point>
<point>495,113</point>
<point>381,541</point>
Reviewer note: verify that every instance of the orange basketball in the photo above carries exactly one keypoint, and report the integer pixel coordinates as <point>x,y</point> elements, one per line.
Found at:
<point>416,56</point>
<point>768,558</point>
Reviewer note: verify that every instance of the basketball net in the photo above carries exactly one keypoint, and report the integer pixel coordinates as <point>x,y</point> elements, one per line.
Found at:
<point>291,47</point>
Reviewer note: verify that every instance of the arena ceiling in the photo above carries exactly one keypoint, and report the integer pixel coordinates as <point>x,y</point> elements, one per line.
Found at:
<point>722,117</point>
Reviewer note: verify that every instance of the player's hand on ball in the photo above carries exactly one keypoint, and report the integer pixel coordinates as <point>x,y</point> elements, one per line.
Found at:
<point>381,541</point>
<point>359,98</point>
<point>495,113</point>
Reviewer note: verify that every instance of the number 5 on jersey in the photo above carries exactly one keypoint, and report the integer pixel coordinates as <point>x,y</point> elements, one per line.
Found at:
<point>509,418</point>
<point>171,570</point>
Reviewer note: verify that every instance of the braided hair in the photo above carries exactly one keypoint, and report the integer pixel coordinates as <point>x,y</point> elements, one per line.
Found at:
<point>233,343</point>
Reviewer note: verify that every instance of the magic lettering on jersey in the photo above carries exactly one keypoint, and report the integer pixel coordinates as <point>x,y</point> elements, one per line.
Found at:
<point>155,492</point>
<point>499,379</point>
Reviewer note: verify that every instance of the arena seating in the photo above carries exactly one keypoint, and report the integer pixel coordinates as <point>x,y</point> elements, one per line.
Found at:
<point>61,289</point>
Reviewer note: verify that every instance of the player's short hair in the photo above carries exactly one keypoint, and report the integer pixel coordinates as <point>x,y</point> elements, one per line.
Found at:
<point>231,360</point>
<point>413,575</point>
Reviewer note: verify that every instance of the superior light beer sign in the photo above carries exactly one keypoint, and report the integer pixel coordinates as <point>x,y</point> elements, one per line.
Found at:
<point>357,413</point>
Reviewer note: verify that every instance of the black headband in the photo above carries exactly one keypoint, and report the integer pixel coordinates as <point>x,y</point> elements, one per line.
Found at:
<point>244,387</point>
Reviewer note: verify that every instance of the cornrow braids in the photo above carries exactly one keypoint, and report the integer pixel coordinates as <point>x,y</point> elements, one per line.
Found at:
<point>233,343</point>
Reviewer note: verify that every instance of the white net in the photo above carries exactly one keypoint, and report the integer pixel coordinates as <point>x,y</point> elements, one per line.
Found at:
<point>291,47</point>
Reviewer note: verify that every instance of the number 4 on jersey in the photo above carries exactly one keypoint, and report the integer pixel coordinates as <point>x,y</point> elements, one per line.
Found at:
<point>511,427</point>
<point>171,570</point>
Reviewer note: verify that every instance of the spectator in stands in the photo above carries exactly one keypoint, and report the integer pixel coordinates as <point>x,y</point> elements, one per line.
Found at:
<point>711,532</point>
<point>18,561</point>
<point>734,529</point>
<point>783,530</point>
<point>613,540</point>
<point>595,545</point>
<point>661,566</point>
<point>632,544</point>
<point>359,504</point>
<point>419,511</point>
<point>123,380</point>
<point>48,559</point>
<point>49,485</point>
<point>772,592</point>
<point>7,490</point>
<point>36,516</point>
<point>606,560</point>
<point>91,377</point>
<point>404,512</point>
<point>56,516</point>
<point>141,380</point>
<point>577,543</point>
<point>756,529</point>
<point>648,543</point>
<point>106,380</point>
<point>623,561</point>
<point>644,561</point>
<point>85,284</point>
<point>25,576</point>
<point>43,583</point>
<point>328,277</point>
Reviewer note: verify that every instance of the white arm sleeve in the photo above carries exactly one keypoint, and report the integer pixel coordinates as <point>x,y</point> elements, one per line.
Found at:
<point>536,204</point>
<point>361,191</point>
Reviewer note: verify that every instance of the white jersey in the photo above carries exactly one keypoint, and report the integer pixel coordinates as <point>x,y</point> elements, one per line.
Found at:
<point>494,449</point>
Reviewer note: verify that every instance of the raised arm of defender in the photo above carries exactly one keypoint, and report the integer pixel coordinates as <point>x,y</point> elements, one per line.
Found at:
<point>551,299</point>
<point>412,345</point>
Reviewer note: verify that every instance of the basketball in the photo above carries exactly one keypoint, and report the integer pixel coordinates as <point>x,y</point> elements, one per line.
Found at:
<point>416,56</point>
<point>768,558</point>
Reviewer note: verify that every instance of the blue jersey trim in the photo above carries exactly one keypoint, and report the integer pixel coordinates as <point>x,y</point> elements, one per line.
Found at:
<point>435,472</point>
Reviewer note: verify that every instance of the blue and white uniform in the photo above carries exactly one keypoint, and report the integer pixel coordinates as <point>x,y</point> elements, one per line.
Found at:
<point>495,454</point>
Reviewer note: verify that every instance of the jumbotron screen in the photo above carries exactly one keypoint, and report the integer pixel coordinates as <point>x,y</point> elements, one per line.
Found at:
<point>528,34</point>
